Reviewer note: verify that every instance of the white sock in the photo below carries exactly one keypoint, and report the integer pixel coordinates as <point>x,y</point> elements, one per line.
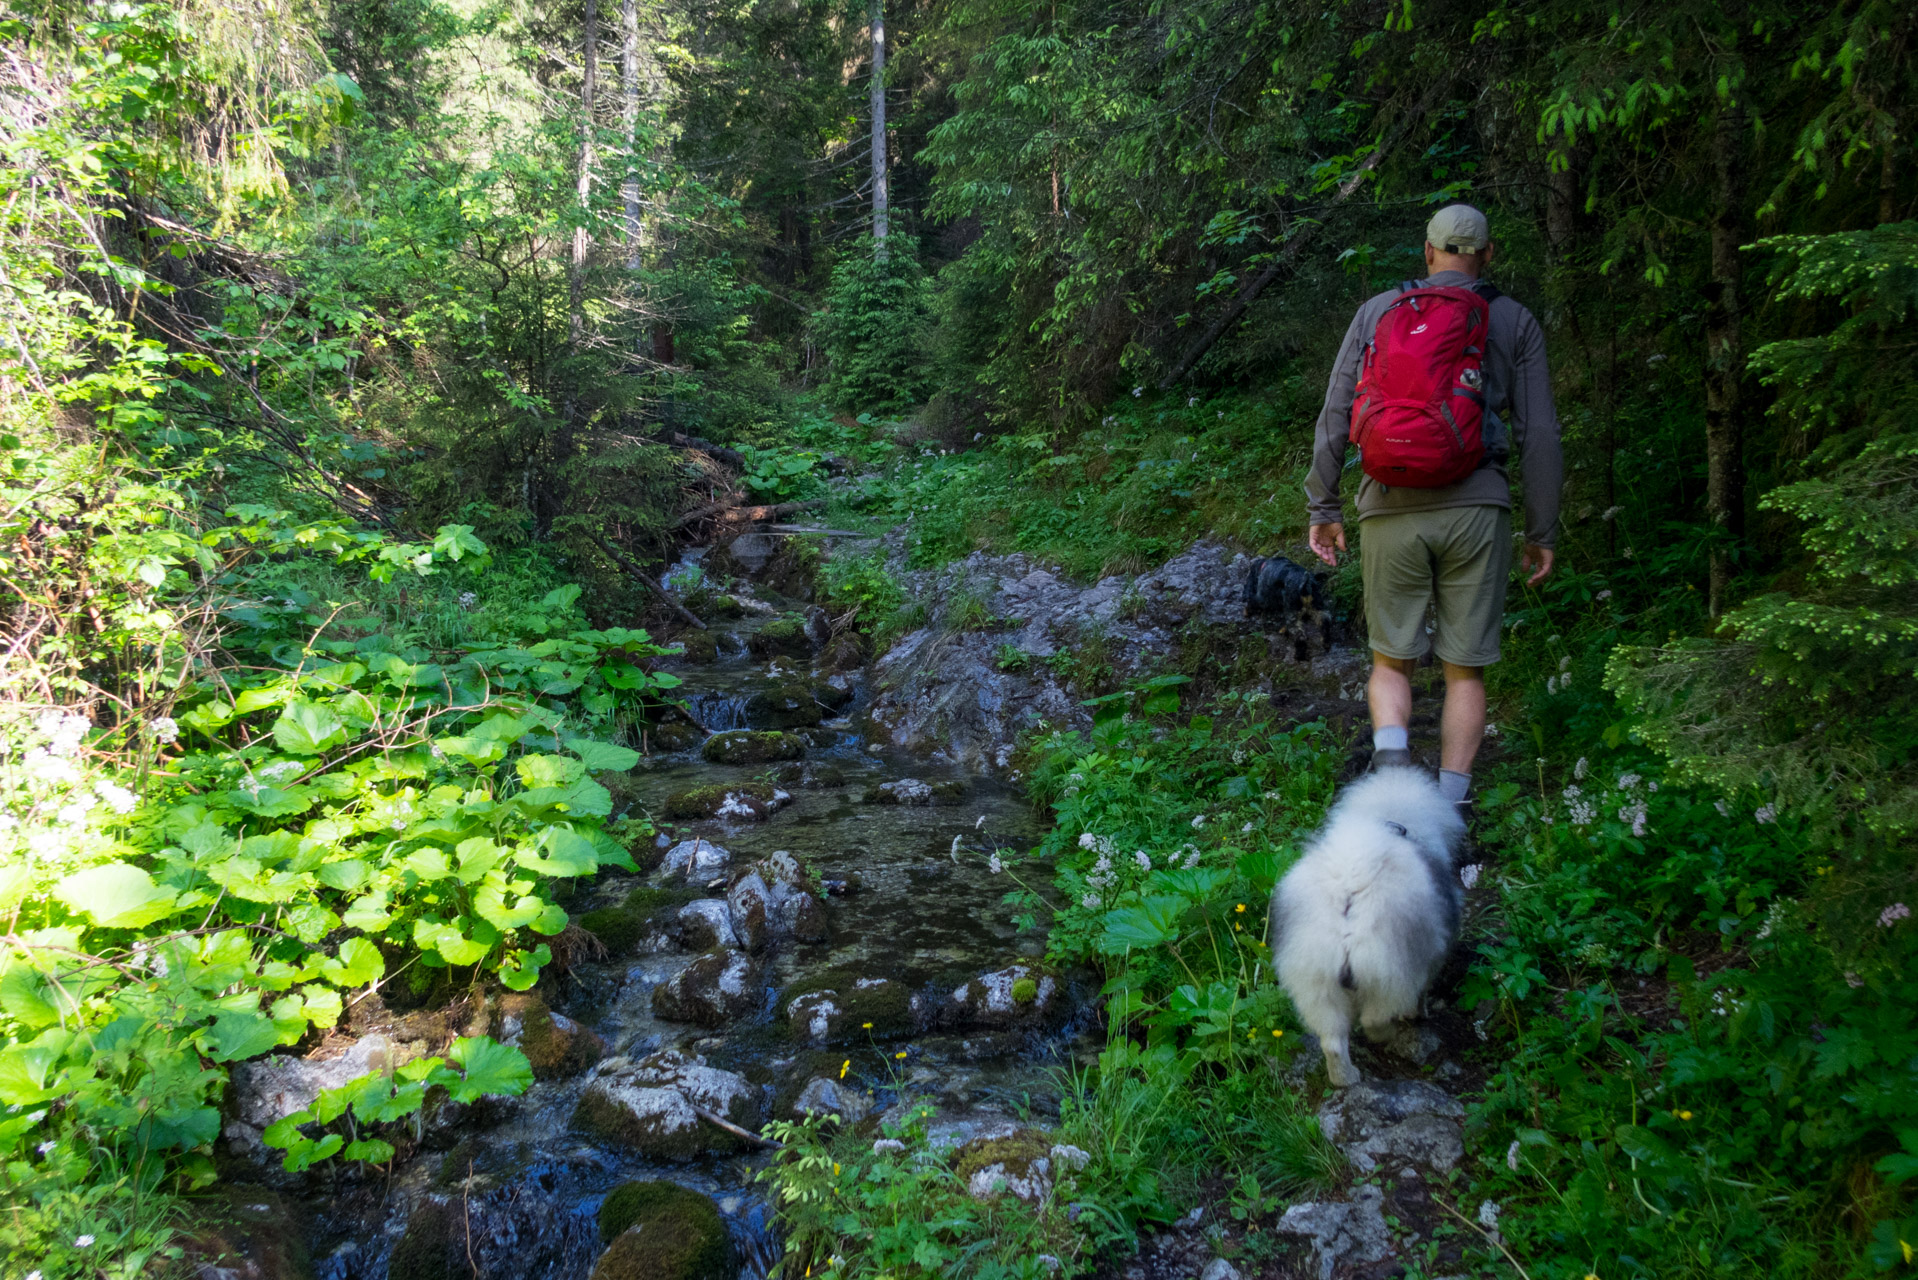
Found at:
<point>1390,737</point>
<point>1454,786</point>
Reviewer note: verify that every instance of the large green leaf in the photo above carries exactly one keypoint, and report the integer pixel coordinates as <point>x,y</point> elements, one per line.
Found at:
<point>453,946</point>
<point>239,1035</point>
<point>489,1068</point>
<point>549,771</point>
<point>567,854</point>
<point>307,728</point>
<point>117,895</point>
<point>602,757</point>
<point>27,1071</point>
<point>359,963</point>
<point>1153,922</point>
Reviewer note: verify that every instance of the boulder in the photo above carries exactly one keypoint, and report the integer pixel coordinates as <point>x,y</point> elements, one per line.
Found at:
<point>1392,1123</point>
<point>711,991</point>
<point>553,1043</point>
<point>674,736</point>
<point>786,705</point>
<point>752,746</point>
<point>706,925</point>
<point>785,635</point>
<point>768,908</point>
<point>852,1010</point>
<point>1017,995</point>
<point>730,802</point>
<point>653,1105</point>
<point>809,775</point>
<point>695,860</point>
<point>1342,1234</point>
<point>661,1231</point>
<point>269,1089</point>
<point>699,646</point>
<point>903,791</point>
<point>824,1095</point>
<point>1018,1164</point>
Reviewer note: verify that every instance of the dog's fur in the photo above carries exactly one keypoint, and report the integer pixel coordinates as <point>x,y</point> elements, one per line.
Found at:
<point>1363,921</point>
<point>1277,587</point>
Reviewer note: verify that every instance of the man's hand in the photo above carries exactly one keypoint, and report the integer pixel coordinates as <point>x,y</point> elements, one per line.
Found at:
<point>1324,537</point>
<point>1539,560</point>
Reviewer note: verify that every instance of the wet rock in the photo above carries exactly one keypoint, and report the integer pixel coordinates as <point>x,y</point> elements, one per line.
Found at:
<point>1395,1122</point>
<point>711,991</point>
<point>700,647</point>
<point>706,925</point>
<point>553,1043</point>
<point>1341,1233</point>
<point>903,791</point>
<point>826,1096</point>
<point>1220,1269</point>
<point>831,695</point>
<point>426,1250</point>
<point>695,860</point>
<point>653,1105</point>
<point>772,903</point>
<point>1019,1165</point>
<point>852,1010</point>
<point>752,746</point>
<point>674,737</point>
<point>1013,996</point>
<point>246,1233</point>
<point>844,652</point>
<point>723,607</point>
<point>269,1089</point>
<point>662,1231</point>
<point>787,705</point>
<point>636,924</point>
<point>785,635</point>
<point>732,802</point>
<point>809,775</point>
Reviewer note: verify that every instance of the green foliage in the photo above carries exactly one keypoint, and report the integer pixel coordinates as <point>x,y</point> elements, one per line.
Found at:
<point>863,587</point>
<point>873,331</point>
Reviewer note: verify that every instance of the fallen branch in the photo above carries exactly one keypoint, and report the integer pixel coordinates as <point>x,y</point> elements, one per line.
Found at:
<point>735,514</point>
<point>620,558</point>
<point>736,1131</point>
<point>731,457</point>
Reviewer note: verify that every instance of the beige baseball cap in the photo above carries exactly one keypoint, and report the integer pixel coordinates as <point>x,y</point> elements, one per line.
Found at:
<point>1458,228</point>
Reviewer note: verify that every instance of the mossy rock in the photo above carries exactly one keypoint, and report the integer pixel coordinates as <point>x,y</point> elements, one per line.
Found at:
<point>660,1231</point>
<point>841,1007</point>
<point>425,1251</point>
<point>624,926</point>
<point>951,791</point>
<point>721,799</point>
<point>674,736</point>
<point>989,1166</point>
<point>753,746</point>
<point>844,652</point>
<point>700,647</point>
<point>724,607</point>
<point>809,775</point>
<point>830,696</point>
<point>787,705</point>
<point>555,1045</point>
<point>785,634</point>
<point>619,929</point>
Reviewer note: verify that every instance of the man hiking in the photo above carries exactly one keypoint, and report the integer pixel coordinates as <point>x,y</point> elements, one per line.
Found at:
<point>1436,382</point>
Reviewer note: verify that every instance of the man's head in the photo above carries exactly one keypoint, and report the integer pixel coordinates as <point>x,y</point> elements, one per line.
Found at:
<point>1458,238</point>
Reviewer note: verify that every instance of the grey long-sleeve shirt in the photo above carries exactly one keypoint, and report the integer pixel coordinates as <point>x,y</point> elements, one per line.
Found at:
<point>1518,393</point>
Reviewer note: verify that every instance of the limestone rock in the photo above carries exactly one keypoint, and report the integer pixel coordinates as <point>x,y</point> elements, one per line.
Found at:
<point>269,1089</point>
<point>695,860</point>
<point>1019,1165</point>
<point>1395,1122</point>
<point>729,802</point>
<point>553,1043</point>
<point>852,1011</point>
<point>825,1096</point>
<point>706,925</point>
<point>1015,995</point>
<point>653,1105</point>
<point>903,791</point>
<point>787,705</point>
<point>752,746</point>
<point>662,1231</point>
<point>1342,1233</point>
<point>770,904</point>
<point>713,990</point>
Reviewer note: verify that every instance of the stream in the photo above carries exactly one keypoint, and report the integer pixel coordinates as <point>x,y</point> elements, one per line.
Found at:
<point>908,896</point>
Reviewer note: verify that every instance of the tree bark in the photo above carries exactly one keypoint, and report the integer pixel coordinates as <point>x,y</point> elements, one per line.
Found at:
<point>879,217</point>
<point>588,88</point>
<point>629,122</point>
<point>1725,356</point>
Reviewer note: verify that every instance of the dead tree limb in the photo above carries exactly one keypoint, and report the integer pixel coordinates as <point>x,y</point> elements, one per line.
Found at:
<point>620,558</point>
<point>730,513</point>
<point>731,457</point>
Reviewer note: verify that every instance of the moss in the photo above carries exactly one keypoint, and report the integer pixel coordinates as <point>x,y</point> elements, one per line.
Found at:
<point>885,1003</point>
<point>951,792</point>
<point>637,837</point>
<point>752,746</point>
<point>599,1115</point>
<point>617,927</point>
<point>673,736</point>
<point>705,802</point>
<point>724,607</point>
<point>553,1052</point>
<point>701,646</point>
<point>844,652</point>
<point>422,1253</point>
<point>1025,991</point>
<point>676,1234</point>
<point>809,775</point>
<point>785,634</point>
<point>1016,1151</point>
<point>787,705</point>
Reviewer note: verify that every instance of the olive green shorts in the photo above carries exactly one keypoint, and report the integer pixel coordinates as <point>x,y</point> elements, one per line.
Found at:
<point>1463,555</point>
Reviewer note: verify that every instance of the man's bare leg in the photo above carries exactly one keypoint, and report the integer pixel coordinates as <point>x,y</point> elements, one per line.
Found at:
<point>1461,729</point>
<point>1389,695</point>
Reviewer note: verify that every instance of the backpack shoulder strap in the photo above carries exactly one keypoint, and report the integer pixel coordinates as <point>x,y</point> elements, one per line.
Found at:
<point>1487,290</point>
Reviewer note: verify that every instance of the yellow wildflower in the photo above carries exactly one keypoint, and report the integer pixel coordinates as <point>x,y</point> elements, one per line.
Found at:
<point>900,1054</point>
<point>866,1025</point>
<point>844,1067</point>
<point>1277,1032</point>
<point>1240,908</point>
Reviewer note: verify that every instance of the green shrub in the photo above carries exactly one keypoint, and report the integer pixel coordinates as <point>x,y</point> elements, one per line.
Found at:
<point>874,331</point>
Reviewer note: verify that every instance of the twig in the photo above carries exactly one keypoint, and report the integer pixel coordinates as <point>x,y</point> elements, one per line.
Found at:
<point>1498,1243</point>
<point>621,559</point>
<point>752,1137</point>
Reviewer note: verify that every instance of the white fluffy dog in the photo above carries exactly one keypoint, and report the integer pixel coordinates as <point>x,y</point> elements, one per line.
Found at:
<point>1365,918</point>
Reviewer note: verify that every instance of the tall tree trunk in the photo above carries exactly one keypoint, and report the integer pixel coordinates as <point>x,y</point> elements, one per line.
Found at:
<point>879,227</point>
<point>1725,355</point>
<point>629,123</point>
<point>588,87</point>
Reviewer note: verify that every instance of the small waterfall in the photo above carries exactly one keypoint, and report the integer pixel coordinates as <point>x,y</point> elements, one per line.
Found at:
<point>716,710</point>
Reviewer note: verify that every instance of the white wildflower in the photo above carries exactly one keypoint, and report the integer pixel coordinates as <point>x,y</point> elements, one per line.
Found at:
<point>1137,392</point>
<point>1198,820</point>
<point>1579,769</point>
<point>1491,730</point>
<point>1190,401</point>
<point>1191,857</point>
<point>1611,513</point>
<point>1629,780</point>
<point>1565,663</point>
<point>1468,875</point>
<point>1511,1156</point>
<point>1551,684</point>
<point>994,865</point>
<point>981,824</point>
<point>1892,914</point>
<point>468,599</point>
<point>63,730</point>
<point>1606,594</point>
<point>1145,863</point>
<point>83,1242</point>
<point>46,1147</point>
<point>888,1147</point>
<point>1086,839</point>
<point>1246,829</point>
<point>1724,810</point>
<point>116,798</point>
<point>165,729</point>
<point>1488,1213</point>
<point>1853,981</point>
<point>1049,1262</point>
<point>1069,1156</point>
<point>1765,815</point>
<point>75,814</point>
<point>953,852</point>
<point>1090,902</point>
<point>45,765</point>
<point>1634,814</point>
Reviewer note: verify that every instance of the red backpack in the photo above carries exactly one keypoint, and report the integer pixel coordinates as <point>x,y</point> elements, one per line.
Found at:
<point>1419,407</point>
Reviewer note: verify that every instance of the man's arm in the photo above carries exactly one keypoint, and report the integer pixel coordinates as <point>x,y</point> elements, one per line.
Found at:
<point>1330,436</point>
<point>1535,431</point>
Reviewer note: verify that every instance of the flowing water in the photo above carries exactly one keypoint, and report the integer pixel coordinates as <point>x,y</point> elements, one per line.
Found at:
<point>914,901</point>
